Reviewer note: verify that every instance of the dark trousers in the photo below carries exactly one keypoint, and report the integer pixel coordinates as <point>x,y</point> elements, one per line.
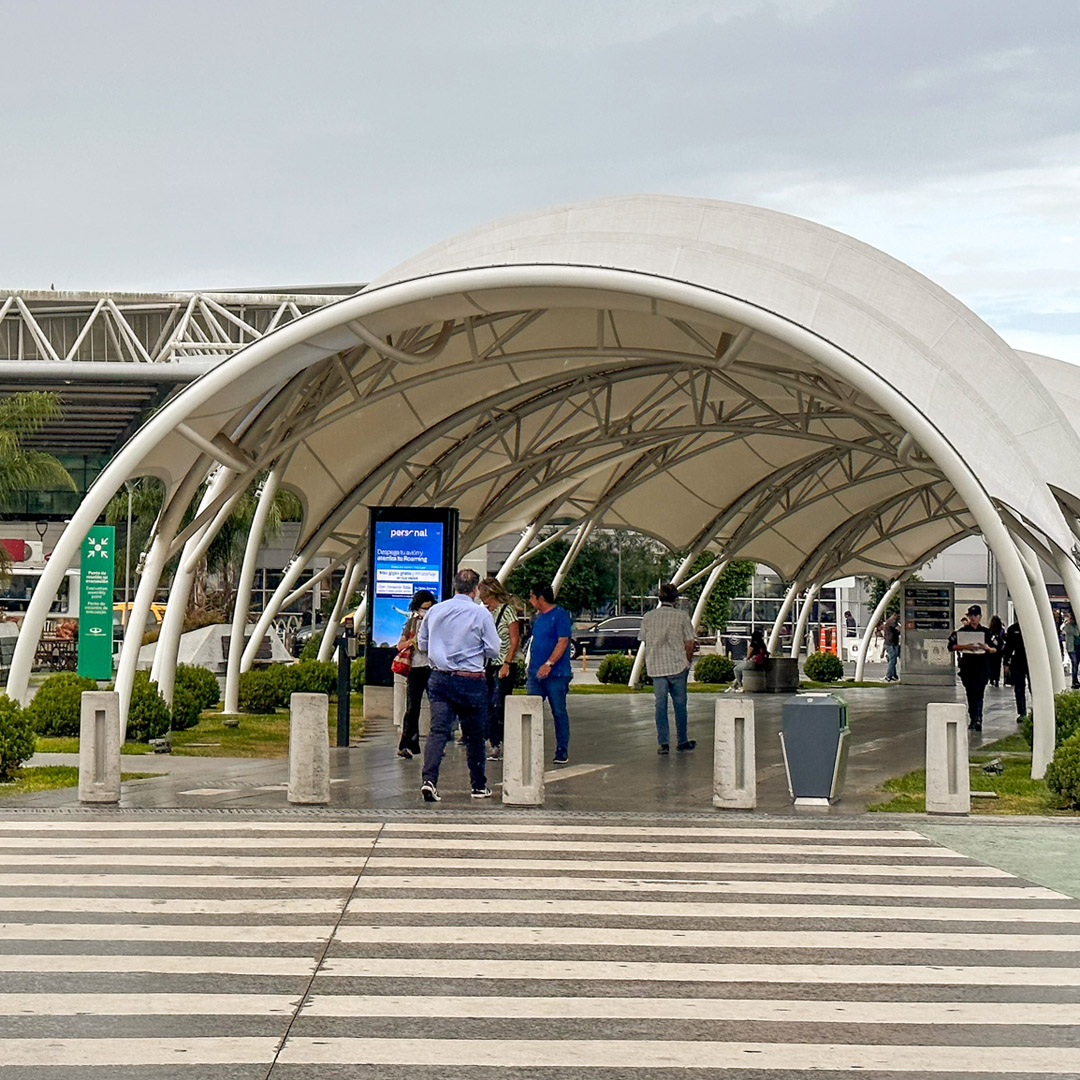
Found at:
<point>500,690</point>
<point>1074,659</point>
<point>975,687</point>
<point>416,684</point>
<point>1020,678</point>
<point>457,696</point>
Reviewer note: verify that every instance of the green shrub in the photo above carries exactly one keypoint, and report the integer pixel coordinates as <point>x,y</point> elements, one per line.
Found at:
<point>1063,773</point>
<point>1066,718</point>
<point>617,669</point>
<point>200,683</point>
<point>315,677</point>
<point>823,667</point>
<point>55,707</point>
<point>714,669</point>
<point>148,714</point>
<point>356,675</point>
<point>185,709</point>
<point>259,691</point>
<point>310,651</point>
<point>16,736</point>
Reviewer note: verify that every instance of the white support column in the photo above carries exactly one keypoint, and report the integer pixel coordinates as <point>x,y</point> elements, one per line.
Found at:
<point>734,755</point>
<point>243,588</point>
<point>571,556</point>
<point>309,750</point>
<point>1046,614</point>
<point>523,751</point>
<point>706,592</point>
<point>273,605</point>
<point>520,548</point>
<point>1070,576</point>
<point>948,781</point>
<point>868,633</point>
<point>99,747</point>
<point>163,668</point>
<point>804,620</point>
<point>167,525</point>
<point>785,610</point>
<point>326,645</point>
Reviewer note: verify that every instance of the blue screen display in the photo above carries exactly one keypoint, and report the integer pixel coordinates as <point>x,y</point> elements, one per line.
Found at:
<point>408,557</point>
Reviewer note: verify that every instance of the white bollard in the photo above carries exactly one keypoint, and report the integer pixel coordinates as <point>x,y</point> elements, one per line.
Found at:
<point>99,747</point>
<point>523,751</point>
<point>948,782</point>
<point>734,755</point>
<point>309,749</point>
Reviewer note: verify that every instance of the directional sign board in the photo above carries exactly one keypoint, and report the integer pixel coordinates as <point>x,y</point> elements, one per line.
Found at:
<point>96,603</point>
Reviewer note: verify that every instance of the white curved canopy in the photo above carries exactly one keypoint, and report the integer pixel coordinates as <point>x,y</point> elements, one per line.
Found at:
<point>719,376</point>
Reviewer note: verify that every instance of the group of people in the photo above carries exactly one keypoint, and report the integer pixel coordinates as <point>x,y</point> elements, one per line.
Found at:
<point>463,654</point>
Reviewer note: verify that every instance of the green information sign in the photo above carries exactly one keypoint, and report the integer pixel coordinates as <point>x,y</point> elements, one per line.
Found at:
<point>96,603</point>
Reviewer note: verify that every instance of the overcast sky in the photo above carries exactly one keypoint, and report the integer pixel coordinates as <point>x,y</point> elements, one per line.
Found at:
<point>250,142</point>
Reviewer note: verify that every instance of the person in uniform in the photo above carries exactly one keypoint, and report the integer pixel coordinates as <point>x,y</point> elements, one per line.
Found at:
<point>972,658</point>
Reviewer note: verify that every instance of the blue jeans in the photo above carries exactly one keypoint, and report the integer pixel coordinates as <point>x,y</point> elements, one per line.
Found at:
<point>456,697</point>
<point>553,690</point>
<point>892,654</point>
<point>675,685</point>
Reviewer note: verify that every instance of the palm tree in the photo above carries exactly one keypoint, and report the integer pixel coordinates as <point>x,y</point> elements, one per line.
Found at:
<point>22,415</point>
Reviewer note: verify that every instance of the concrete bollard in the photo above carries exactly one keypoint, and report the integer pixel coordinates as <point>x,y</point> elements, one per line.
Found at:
<point>523,751</point>
<point>734,755</point>
<point>948,782</point>
<point>309,749</point>
<point>99,747</point>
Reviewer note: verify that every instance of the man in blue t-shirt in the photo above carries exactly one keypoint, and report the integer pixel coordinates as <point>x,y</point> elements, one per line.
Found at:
<point>549,662</point>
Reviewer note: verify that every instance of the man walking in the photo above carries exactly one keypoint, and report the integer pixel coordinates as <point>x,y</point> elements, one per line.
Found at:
<point>549,662</point>
<point>458,635</point>
<point>973,653</point>
<point>668,636</point>
<point>892,646</point>
<point>1014,657</point>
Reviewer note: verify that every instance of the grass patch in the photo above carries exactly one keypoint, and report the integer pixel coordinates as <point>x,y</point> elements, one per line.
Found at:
<point>64,744</point>
<point>259,735</point>
<point>842,684</point>
<point>1017,792</point>
<point>51,777</point>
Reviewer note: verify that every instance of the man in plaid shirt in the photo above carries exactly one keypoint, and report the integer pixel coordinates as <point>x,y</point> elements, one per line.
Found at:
<point>668,636</point>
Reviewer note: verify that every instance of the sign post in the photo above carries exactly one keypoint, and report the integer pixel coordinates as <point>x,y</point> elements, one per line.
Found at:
<point>96,603</point>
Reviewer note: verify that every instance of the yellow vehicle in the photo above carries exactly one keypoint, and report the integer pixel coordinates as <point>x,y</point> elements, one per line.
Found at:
<point>120,612</point>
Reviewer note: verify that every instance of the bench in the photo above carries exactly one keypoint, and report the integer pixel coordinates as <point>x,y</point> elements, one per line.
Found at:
<point>780,675</point>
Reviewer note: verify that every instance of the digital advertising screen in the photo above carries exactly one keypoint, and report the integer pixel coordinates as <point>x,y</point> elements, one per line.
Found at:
<point>408,557</point>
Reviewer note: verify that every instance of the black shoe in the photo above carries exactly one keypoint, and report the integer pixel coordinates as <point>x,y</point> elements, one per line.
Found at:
<point>404,752</point>
<point>496,754</point>
<point>975,726</point>
<point>561,757</point>
<point>430,791</point>
<point>688,745</point>
<point>481,792</point>
<point>663,748</point>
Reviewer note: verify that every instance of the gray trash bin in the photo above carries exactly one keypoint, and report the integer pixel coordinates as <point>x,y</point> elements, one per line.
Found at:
<point>815,743</point>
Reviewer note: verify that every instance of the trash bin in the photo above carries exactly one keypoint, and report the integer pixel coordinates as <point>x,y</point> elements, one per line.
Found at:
<point>815,744</point>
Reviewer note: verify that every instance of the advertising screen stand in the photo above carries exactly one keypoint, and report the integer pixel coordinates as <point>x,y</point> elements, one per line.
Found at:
<point>927,621</point>
<point>410,548</point>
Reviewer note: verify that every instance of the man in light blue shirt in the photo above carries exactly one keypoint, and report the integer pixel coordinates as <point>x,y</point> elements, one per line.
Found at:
<point>458,635</point>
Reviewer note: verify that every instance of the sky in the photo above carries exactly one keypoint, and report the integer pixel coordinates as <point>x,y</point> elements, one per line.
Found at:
<point>152,145</point>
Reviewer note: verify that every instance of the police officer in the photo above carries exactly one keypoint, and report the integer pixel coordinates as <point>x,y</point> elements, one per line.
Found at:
<point>973,660</point>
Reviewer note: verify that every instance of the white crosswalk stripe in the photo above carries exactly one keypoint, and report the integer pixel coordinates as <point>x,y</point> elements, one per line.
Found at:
<point>539,948</point>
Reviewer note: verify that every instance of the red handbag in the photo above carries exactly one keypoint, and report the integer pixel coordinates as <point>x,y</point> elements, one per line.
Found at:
<point>402,663</point>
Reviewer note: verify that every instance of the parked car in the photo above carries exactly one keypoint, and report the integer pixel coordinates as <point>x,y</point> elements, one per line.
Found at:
<point>616,634</point>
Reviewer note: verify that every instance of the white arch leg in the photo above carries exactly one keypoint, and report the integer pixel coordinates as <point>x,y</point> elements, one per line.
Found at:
<point>875,618</point>
<point>163,670</point>
<point>1046,613</point>
<point>1070,576</point>
<point>804,620</point>
<point>242,605</point>
<point>273,605</point>
<point>706,591</point>
<point>785,610</point>
<point>168,525</point>
<point>519,549</point>
<point>330,633</point>
<point>571,556</point>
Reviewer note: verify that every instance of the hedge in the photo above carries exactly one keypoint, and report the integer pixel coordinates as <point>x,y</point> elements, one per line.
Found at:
<point>1063,773</point>
<point>16,737</point>
<point>1066,718</point>
<point>823,667</point>
<point>714,669</point>
<point>55,708</point>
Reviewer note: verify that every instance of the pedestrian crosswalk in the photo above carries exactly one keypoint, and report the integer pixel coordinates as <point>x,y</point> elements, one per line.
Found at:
<point>278,948</point>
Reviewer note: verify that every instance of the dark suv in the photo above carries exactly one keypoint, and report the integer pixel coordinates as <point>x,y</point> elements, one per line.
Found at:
<point>616,634</point>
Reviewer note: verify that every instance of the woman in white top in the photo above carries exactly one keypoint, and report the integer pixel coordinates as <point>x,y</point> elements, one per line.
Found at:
<point>502,673</point>
<point>417,678</point>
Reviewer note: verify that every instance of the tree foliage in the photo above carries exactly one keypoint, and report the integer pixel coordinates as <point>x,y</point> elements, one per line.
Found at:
<point>878,588</point>
<point>735,581</point>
